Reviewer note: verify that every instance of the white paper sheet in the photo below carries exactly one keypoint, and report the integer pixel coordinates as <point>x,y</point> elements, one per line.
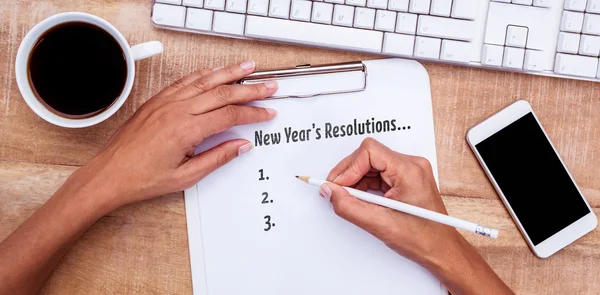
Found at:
<point>305,248</point>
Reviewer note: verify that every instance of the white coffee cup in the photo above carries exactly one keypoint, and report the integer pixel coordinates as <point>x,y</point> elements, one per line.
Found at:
<point>132,53</point>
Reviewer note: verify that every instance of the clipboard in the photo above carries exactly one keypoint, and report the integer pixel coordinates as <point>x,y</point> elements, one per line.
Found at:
<point>309,81</point>
<point>217,268</point>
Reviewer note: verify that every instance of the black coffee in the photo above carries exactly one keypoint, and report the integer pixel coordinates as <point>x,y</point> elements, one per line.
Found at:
<point>77,69</point>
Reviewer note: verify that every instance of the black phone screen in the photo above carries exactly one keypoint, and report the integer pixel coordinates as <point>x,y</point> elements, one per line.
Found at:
<point>532,178</point>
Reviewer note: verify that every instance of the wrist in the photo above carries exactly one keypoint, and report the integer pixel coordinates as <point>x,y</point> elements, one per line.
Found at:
<point>441,259</point>
<point>90,191</point>
<point>445,261</point>
<point>454,264</point>
<point>462,270</point>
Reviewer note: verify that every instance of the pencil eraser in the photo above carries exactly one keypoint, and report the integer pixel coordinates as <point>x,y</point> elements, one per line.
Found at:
<point>494,234</point>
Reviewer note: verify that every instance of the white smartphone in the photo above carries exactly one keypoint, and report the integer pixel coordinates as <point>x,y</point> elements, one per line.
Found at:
<point>531,179</point>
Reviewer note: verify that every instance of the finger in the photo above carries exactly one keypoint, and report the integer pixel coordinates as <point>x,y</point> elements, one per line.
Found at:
<point>350,208</point>
<point>340,167</point>
<point>372,173</point>
<point>370,155</point>
<point>227,117</point>
<point>369,183</point>
<point>209,81</point>
<point>230,94</point>
<point>394,193</point>
<point>385,187</point>
<point>186,80</point>
<point>199,166</point>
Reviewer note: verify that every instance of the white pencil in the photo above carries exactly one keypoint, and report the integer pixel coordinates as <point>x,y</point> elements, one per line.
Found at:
<point>412,210</point>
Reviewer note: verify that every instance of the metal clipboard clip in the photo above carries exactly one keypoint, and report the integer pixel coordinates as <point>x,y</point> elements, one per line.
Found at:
<point>308,81</point>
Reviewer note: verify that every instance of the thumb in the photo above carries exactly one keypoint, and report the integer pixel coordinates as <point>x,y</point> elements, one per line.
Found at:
<point>205,163</point>
<point>348,207</point>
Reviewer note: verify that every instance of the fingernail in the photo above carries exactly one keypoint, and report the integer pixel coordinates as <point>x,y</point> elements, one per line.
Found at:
<point>272,112</point>
<point>335,180</point>
<point>245,148</point>
<point>248,65</point>
<point>217,68</point>
<point>271,84</point>
<point>325,192</point>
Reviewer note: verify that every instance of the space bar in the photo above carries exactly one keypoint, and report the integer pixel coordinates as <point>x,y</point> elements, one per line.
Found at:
<point>313,34</point>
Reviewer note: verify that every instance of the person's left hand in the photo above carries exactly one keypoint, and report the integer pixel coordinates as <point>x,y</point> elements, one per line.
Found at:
<point>152,153</point>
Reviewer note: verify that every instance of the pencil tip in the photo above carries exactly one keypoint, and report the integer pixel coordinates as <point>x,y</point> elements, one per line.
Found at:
<point>303,178</point>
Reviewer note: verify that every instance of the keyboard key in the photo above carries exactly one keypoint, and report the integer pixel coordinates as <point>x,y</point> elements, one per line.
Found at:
<point>575,65</point>
<point>446,28</point>
<point>568,43</point>
<point>174,2</point>
<point>534,60</point>
<point>589,45</point>
<point>357,2</point>
<point>313,34</point>
<point>406,23</point>
<point>398,5</point>
<point>516,36</point>
<point>343,15</point>
<point>199,19</point>
<point>215,4</point>
<point>427,47</point>
<point>441,7</point>
<point>543,3</point>
<point>364,18</point>
<point>238,6</point>
<point>322,12</point>
<point>301,10</point>
<point>194,3</point>
<point>591,24</point>
<point>466,9</point>
<point>398,44</point>
<point>279,8</point>
<point>168,15</point>
<point>513,57</point>
<point>456,51</point>
<point>228,23</point>
<point>593,6</point>
<point>492,55</point>
<point>523,2</point>
<point>258,7</point>
<point>335,1</point>
<point>385,20</point>
<point>575,5</point>
<point>571,21</point>
<point>381,4</point>
<point>419,6</point>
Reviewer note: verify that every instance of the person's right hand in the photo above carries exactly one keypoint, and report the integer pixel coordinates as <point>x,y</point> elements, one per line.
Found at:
<point>437,247</point>
<point>401,177</point>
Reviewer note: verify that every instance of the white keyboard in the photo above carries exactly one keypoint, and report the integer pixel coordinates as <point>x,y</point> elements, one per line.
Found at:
<point>546,37</point>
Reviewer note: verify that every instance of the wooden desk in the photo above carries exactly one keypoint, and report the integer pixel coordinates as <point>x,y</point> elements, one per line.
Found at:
<point>142,248</point>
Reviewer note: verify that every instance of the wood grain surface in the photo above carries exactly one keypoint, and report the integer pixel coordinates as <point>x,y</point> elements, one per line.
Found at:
<point>142,248</point>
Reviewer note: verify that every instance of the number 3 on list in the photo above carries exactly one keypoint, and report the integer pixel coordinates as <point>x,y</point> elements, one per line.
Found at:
<point>268,224</point>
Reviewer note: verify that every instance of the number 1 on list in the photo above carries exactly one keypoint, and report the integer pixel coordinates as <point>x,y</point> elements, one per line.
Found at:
<point>262,175</point>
